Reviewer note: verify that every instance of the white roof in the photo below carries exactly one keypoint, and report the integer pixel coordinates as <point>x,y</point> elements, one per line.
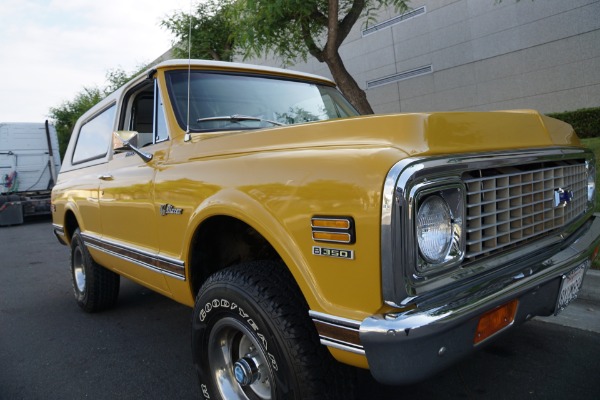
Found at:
<point>233,65</point>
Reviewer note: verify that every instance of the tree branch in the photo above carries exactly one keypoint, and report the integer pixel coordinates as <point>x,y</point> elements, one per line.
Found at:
<point>332,28</point>
<point>312,47</point>
<point>345,26</point>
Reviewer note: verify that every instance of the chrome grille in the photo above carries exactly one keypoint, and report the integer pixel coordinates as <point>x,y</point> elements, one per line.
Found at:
<point>510,205</point>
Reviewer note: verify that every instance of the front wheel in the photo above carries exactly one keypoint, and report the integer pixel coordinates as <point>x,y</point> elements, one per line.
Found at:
<point>95,287</point>
<point>252,338</point>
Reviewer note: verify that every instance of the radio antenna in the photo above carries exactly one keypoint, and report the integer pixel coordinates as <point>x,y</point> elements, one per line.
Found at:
<point>188,135</point>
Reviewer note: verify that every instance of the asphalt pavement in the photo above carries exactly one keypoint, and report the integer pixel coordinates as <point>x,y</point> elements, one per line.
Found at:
<point>50,349</point>
<point>583,313</point>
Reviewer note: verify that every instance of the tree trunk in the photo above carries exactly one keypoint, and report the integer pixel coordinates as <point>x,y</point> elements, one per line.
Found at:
<point>337,31</point>
<point>347,84</point>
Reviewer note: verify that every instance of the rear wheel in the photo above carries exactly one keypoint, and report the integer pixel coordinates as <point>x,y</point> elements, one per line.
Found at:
<point>95,287</point>
<point>252,338</point>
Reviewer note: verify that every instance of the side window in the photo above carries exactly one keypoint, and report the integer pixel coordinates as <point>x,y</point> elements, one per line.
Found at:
<point>95,137</point>
<point>144,113</point>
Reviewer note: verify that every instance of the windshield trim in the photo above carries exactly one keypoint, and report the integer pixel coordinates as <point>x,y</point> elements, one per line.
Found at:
<point>180,117</point>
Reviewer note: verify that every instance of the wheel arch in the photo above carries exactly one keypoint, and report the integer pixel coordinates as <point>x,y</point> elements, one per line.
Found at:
<point>70,223</point>
<point>225,233</point>
<point>221,241</point>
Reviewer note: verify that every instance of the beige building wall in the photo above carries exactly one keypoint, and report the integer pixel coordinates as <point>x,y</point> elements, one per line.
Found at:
<point>476,55</point>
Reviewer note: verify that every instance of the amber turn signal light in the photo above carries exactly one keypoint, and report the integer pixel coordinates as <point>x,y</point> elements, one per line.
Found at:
<point>595,253</point>
<point>332,223</point>
<point>496,320</point>
<point>332,237</point>
<point>333,229</point>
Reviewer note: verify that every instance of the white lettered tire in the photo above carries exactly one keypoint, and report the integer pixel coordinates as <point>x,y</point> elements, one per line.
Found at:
<point>252,338</point>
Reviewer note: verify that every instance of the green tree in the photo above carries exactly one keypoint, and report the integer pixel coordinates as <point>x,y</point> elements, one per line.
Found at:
<point>292,29</point>
<point>117,77</point>
<point>211,31</point>
<point>66,115</point>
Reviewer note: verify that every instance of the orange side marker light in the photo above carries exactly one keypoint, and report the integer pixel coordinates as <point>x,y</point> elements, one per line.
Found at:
<point>496,320</point>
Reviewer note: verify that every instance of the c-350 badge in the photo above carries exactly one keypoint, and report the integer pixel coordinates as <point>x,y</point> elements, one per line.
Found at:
<point>170,209</point>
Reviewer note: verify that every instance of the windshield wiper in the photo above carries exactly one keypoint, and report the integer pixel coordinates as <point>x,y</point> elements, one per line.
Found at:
<point>238,118</point>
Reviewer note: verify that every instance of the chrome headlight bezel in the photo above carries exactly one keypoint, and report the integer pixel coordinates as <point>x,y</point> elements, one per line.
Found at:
<point>452,196</point>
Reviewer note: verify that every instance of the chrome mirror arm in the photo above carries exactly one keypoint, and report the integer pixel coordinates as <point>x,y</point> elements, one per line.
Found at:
<point>120,144</point>
<point>147,157</point>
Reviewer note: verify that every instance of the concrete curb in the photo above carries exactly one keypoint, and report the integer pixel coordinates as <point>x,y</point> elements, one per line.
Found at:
<point>590,290</point>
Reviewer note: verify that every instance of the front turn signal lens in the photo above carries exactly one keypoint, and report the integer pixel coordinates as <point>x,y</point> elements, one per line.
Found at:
<point>595,253</point>
<point>495,321</point>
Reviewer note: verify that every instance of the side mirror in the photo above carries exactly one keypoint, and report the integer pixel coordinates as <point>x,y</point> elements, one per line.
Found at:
<point>127,141</point>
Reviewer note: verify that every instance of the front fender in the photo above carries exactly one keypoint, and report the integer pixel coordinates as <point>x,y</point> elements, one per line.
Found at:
<point>240,206</point>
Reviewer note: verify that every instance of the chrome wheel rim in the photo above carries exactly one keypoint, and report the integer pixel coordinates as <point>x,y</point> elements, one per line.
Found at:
<point>79,270</point>
<point>231,349</point>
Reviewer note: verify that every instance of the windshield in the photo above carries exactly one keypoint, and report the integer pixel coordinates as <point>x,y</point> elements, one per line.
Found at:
<point>220,101</point>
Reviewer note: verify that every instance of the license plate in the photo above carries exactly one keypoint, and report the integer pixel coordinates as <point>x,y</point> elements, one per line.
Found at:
<point>569,288</point>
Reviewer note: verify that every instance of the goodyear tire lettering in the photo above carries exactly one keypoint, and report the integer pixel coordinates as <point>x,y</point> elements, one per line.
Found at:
<point>222,303</point>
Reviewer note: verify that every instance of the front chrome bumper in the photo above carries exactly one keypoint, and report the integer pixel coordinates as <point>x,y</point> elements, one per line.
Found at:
<point>409,346</point>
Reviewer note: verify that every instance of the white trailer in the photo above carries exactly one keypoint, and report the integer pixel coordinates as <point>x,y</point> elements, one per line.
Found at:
<point>29,164</point>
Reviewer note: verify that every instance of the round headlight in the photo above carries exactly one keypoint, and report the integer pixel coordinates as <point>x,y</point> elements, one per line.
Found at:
<point>434,229</point>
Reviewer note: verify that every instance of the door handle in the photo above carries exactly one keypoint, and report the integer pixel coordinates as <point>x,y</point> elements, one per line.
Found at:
<point>106,177</point>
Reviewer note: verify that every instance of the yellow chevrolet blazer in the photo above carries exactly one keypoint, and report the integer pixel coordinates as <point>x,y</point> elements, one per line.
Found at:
<point>306,237</point>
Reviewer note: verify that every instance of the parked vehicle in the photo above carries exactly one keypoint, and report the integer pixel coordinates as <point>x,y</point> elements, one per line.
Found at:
<point>29,165</point>
<point>307,237</point>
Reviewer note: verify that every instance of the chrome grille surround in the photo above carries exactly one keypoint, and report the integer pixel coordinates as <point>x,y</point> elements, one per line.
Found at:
<point>511,212</point>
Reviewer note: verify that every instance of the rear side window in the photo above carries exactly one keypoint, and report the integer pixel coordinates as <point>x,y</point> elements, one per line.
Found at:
<point>94,137</point>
